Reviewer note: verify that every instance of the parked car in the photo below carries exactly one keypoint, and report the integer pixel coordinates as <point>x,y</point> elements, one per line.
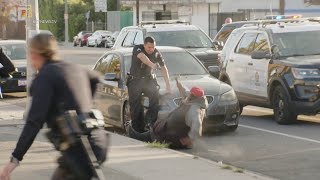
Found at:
<point>80,38</point>
<point>96,38</point>
<point>109,40</point>
<point>16,51</point>
<point>276,65</point>
<point>171,33</point>
<point>112,95</point>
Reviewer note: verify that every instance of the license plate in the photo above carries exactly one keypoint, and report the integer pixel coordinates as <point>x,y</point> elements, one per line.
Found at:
<point>22,82</point>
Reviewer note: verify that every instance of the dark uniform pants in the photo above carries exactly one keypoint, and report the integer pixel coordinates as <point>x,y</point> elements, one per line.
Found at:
<point>149,87</point>
<point>73,165</point>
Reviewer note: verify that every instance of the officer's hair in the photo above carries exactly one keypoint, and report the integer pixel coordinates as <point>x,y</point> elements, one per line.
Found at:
<point>149,39</point>
<point>45,45</point>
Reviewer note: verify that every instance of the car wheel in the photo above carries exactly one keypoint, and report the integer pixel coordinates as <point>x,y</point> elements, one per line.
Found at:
<point>126,120</point>
<point>281,110</point>
<point>74,44</point>
<point>106,45</point>
<point>81,44</point>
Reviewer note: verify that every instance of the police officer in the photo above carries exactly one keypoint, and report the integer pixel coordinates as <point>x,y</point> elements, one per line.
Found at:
<point>145,60</point>
<point>6,66</point>
<point>56,83</point>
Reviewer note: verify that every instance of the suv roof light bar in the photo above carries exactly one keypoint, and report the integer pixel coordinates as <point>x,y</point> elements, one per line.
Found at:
<point>275,21</point>
<point>163,22</point>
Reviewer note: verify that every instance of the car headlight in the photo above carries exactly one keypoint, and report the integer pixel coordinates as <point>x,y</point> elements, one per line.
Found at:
<point>299,73</point>
<point>228,96</point>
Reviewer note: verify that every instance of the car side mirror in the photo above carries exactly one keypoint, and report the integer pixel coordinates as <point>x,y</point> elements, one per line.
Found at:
<point>214,71</point>
<point>218,44</point>
<point>111,77</point>
<point>260,55</point>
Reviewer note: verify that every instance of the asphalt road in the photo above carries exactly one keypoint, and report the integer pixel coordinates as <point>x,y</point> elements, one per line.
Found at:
<point>260,145</point>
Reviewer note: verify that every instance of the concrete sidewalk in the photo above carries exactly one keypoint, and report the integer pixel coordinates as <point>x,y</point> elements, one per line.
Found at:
<point>128,159</point>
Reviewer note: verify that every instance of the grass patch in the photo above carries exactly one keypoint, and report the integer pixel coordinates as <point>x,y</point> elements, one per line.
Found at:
<point>226,167</point>
<point>239,171</point>
<point>156,144</point>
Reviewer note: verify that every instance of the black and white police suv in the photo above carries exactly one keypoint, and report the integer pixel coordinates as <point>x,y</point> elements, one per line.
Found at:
<point>174,33</point>
<point>276,65</point>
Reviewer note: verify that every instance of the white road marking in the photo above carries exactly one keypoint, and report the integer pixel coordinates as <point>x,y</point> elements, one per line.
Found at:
<point>281,134</point>
<point>264,110</point>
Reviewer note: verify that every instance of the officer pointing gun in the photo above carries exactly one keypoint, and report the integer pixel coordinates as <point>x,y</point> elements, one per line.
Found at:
<point>142,80</point>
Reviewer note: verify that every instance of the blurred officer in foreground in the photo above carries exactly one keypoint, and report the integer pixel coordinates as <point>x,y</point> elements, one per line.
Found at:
<point>142,79</point>
<point>182,126</point>
<point>57,88</point>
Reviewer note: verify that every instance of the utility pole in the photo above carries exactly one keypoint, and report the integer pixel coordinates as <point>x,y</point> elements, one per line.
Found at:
<point>66,17</point>
<point>137,11</point>
<point>32,28</point>
<point>282,5</point>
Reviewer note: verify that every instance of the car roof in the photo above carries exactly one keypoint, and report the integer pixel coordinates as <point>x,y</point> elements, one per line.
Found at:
<point>164,27</point>
<point>5,42</point>
<point>294,27</point>
<point>128,51</point>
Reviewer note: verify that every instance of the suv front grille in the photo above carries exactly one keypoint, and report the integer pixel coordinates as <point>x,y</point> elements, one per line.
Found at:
<point>177,101</point>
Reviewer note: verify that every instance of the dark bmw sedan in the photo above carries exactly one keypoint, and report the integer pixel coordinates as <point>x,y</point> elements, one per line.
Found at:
<point>16,51</point>
<point>112,98</point>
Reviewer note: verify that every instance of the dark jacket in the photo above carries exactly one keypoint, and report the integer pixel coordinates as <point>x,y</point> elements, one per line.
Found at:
<point>184,121</point>
<point>56,82</point>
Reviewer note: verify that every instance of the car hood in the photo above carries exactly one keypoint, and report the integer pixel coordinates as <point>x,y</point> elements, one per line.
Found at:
<point>209,84</point>
<point>202,51</point>
<point>302,61</point>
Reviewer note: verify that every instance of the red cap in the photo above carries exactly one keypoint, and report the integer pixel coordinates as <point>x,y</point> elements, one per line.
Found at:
<point>197,91</point>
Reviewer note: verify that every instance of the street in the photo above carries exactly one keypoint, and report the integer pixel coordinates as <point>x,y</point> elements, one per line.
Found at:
<point>260,145</point>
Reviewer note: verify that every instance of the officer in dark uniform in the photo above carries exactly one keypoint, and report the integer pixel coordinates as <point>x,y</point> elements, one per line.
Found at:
<point>6,66</point>
<point>145,60</point>
<point>56,84</point>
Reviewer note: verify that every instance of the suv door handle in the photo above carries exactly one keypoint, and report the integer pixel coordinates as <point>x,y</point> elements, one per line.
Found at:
<point>231,60</point>
<point>250,64</point>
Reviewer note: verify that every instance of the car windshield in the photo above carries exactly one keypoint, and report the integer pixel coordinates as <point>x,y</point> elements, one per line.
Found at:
<point>15,51</point>
<point>303,43</point>
<point>183,39</point>
<point>178,63</point>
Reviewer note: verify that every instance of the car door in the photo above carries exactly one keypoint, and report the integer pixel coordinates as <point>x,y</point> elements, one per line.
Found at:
<point>101,101</point>
<point>260,66</point>
<point>239,66</point>
<point>129,40</point>
<point>91,38</point>
<point>112,90</point>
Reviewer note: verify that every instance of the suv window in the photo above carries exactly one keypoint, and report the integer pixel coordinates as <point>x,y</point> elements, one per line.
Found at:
<point>224,33</point>
<point>139,38</point>
<point>246,43</point>
<point>262,43</point>
<point>182,39</point>
<point>128,41</point>
<point>102,65</point>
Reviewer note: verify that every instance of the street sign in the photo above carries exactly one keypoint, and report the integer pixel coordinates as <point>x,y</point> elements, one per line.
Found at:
<point>88,15</point>
<point>29,11</point>
<point>100,5</point>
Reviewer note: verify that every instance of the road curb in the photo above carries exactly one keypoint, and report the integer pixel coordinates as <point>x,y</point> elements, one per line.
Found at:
<point>250,173</point>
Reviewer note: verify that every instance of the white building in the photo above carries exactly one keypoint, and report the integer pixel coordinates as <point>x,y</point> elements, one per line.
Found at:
<point>307,8</point>
<point>210,14</point>
<point>207,14</point>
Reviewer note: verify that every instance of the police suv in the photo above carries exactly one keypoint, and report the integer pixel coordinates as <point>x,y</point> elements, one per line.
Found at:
<point>174,33</point>
<point>275,64</point>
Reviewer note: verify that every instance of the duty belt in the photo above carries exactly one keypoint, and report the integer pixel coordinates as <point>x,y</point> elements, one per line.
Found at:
<point>152,76</point>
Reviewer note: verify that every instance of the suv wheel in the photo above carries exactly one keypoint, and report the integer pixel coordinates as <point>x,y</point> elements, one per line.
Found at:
<point>281,110</point>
